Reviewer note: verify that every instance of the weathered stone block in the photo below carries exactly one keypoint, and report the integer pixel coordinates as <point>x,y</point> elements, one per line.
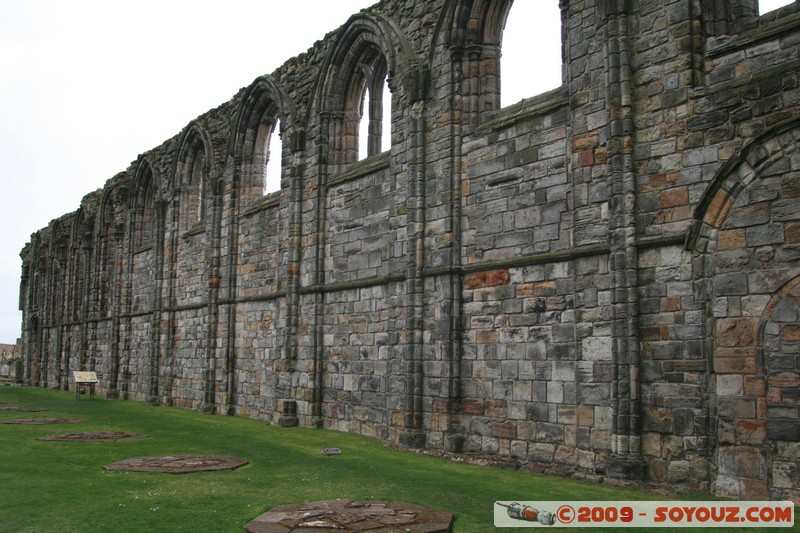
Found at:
<point>742,462</point>
<point>541,452</point>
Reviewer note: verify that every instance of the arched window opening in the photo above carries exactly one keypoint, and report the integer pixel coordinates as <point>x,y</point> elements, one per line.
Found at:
<point>192,197</point>
<point>273,155</point>
<point>375,126</point>
<point>144,209</point>
<point>386,114</point>
<point>363,127</point>
<point>107,260</point>
<point>360,105</point>
<point>531,58</point>
<point>198,209</point>
<point>198,176</point>
<point>267,157</point>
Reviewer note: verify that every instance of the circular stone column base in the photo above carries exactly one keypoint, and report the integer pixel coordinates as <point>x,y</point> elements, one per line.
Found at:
<point>93,436</point>
<point>371,516</point>
<point>177,464</point>
<point>42,420</point>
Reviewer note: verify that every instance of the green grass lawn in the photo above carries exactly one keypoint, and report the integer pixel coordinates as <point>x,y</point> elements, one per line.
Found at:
<point>61,486</point>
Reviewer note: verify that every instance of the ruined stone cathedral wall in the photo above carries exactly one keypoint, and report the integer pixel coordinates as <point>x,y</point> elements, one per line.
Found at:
<point>600,280</point>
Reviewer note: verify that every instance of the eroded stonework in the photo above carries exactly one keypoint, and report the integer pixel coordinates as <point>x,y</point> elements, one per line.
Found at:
<point>602,277</point>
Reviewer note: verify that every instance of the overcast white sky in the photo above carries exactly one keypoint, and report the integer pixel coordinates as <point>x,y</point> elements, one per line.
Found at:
<point>86,85</point>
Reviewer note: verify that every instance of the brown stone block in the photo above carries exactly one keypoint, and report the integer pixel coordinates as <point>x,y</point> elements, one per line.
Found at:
<point>674,198</point>
<point>670,305</point>
<point>655,333</point>
<point>742,461</point>
<point>754,386</point>
<point>792,232</point>
<point>526,430</point>
<point>673,129</point>
<point>496,278</point>
<point>732,239</point>
<point>564,455</point>
<point>718,209</point>
<point>600,439</point>
<point>496,408</point>
<point>653,183</point>
<point>586,158</point>
<point>673,214</point>
<point>790,186</point>
<point>525,290</point>
<point>545,288</point>
<point>541,452</point>
<point>440,422</point>
<point>658,470</point>
<point>505,430</point>
<point>785,380</point>
<point>790,332</point>
<point>755,490</point>
<point>283,365</point>
<point>473,407</point>
<point>585,141</point>
<point>585,415</point>
<point>651,444</point>
<point>440,405</point>
<point>672,446</point>
<point>657,420</point>
<point>735,360</point>
<point>736,332</point>
<point>751,431</point>
<point>398,418</point>
<point>675,179</point>
<point>492,278</point>
<point>761,408</point>
<point>475,281</point>
<point>566,414</point>
<point>487,337</point>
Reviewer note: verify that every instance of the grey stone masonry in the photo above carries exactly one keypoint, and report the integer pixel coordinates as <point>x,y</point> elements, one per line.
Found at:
<point>603,279</point>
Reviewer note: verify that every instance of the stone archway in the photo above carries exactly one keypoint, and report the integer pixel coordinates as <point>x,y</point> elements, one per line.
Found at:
<point>746,237</point>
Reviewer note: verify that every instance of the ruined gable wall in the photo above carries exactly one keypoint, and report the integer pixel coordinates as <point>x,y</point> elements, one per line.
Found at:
<point>595,280</point>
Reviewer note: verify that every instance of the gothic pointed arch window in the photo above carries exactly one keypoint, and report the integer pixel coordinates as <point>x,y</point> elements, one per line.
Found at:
<point>375,126</point>
<point>78,261</point>
<point>261,140</point>
<point>362,107</point>
<point>355,92</point>
<point>105,261</point>
<point>192,180</point>
<point>484,31</point>
<point>272,152</point>
<point>531,50</point>
<point>144,208</point>
<point>109,237</point>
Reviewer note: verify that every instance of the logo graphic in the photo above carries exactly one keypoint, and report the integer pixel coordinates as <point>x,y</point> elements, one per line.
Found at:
<point>648,514</point>
<point>517,511</point>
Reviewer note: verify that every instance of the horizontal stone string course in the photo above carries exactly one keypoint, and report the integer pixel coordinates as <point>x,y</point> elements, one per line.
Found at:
<point>600,280</point>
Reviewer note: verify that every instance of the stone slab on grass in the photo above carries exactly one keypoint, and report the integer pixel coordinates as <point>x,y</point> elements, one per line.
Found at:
<point>177,464</point>
<point>373,516</point>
